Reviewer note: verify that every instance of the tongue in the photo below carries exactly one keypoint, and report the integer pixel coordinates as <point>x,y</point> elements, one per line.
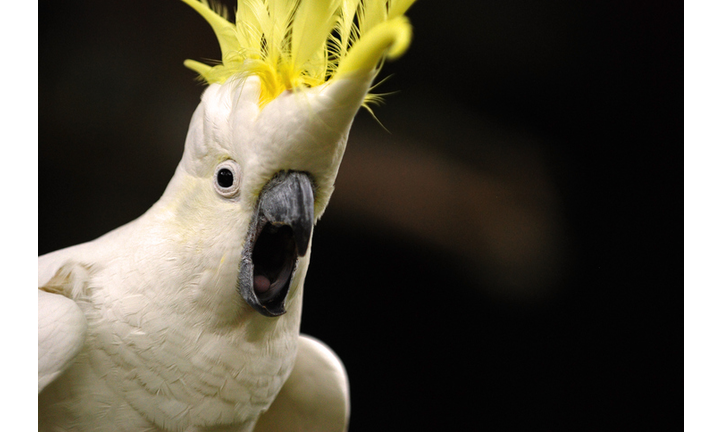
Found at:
<point>261,284</point>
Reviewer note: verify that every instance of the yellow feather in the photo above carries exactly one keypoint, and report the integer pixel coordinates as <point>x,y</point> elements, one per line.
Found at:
<point>248,26</point>
<point>291,44</point>
<point>280,12</point>
<point>225,31</point>
<point>198,67</point>
<point>311,28</point>
<point>371,13</point>
<point>346,28</point>
<point>390,37</point>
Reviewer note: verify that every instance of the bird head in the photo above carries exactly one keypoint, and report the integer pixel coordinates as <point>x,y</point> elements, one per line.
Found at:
<point>265,144</point>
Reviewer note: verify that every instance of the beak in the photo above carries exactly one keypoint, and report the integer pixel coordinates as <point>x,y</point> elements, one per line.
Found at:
<point>278,235</point>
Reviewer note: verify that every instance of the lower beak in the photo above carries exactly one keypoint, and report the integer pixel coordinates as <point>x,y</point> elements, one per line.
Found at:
<point>278,235</point>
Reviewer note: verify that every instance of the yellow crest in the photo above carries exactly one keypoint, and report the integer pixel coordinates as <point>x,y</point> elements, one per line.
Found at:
<point>291,44</point>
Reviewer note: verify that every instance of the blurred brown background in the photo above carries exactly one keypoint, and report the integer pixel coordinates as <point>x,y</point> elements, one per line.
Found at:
<point>501,258</point>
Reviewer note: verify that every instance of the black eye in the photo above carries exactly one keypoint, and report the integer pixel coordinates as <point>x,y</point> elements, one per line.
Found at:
<point>227,179</point>
<point>224,177</point>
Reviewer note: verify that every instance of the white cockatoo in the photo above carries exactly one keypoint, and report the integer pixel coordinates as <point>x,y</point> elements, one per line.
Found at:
<point>187,318</point>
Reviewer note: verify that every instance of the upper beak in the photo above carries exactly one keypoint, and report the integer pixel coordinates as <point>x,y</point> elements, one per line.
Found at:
<point>278,235</point>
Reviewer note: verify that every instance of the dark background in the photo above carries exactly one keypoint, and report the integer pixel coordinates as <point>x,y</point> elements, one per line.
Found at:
<point>505,257</point>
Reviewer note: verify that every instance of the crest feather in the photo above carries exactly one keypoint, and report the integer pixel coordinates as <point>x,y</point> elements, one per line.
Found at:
<point>292,44</point>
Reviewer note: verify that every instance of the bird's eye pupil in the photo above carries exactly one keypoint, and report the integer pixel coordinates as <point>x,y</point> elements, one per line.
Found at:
<point>224,178</point>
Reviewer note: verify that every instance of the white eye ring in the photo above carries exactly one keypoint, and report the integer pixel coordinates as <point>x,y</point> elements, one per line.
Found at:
<point>227,178</point>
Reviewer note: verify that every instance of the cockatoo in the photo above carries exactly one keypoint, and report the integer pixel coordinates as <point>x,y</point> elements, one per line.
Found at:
<point>187,318</point>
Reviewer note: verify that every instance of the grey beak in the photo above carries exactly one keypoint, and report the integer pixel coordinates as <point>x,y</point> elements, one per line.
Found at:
<point>279,234</point>
<point>288,200</point>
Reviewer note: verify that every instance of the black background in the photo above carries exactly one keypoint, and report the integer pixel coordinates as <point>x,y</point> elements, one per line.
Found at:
<point>505,257</point>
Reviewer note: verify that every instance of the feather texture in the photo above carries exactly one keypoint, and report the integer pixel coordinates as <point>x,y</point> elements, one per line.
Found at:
<point>150,327</point>
<point>293,44</point>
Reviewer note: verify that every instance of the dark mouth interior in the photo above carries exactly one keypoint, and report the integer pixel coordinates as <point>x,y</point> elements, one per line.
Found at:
<point>274,257</point>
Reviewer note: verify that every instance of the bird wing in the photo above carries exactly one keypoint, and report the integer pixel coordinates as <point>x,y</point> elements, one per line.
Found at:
<point>61,323</point>
<point>61,334</point>
<point>315,398</point>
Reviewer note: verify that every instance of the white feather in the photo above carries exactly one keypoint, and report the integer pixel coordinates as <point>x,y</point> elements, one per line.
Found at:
<point>170,344</point>
<point>61,334</point>
<point>315,398</point>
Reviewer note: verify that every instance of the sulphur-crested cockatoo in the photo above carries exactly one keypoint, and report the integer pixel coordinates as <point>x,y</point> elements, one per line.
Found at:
<point>187,318</point>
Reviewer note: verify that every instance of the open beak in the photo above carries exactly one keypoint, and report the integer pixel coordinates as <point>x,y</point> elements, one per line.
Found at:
<point>278,235</point>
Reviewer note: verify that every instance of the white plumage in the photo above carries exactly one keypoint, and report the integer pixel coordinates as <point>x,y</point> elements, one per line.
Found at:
<point>187,319</point>
<point>170,343</point>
